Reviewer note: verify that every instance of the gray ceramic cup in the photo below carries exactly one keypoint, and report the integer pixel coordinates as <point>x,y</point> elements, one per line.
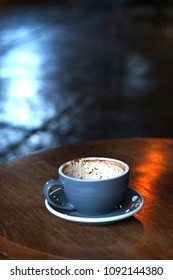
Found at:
<point>92,185</point>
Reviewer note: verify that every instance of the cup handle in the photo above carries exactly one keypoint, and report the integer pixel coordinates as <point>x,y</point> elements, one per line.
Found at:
<point>46,188</point>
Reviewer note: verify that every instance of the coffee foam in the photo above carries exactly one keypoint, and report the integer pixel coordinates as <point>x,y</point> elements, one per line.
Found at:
<point>93,169</point>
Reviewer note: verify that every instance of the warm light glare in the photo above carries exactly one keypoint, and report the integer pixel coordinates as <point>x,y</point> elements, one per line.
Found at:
<point>150,169</point>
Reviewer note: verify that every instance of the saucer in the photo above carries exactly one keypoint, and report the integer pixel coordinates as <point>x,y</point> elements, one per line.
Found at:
<point>131,204</point>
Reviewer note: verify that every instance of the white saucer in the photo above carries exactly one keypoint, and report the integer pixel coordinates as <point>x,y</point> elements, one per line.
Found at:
<point>131,204</point>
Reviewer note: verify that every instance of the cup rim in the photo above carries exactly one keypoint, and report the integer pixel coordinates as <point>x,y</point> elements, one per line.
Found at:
<point>60,170</point>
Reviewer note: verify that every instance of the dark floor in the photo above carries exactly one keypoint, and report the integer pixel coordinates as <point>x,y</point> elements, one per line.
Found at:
<point>81,70</point>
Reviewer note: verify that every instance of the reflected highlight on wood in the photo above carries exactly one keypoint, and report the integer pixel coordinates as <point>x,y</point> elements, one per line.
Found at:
<point>150,168</point>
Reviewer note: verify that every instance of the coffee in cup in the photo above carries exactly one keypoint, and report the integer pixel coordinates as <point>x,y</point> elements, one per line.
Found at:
<point>93,169</point>
<point>92,185</point>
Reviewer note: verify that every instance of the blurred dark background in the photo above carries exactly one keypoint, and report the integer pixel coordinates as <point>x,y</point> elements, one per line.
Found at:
<point>80,70</point>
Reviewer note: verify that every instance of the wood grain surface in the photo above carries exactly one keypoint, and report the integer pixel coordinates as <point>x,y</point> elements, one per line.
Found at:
<point>29,231</point>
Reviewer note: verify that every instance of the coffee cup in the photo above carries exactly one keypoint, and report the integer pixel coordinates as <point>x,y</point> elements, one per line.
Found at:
<point>92,185</point>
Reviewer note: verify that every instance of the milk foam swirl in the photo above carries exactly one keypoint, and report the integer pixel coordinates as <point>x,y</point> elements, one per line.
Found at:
<point>93,169</point>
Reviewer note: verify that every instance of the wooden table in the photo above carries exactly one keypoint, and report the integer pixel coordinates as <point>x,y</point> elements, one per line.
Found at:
<point>29,231</point>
